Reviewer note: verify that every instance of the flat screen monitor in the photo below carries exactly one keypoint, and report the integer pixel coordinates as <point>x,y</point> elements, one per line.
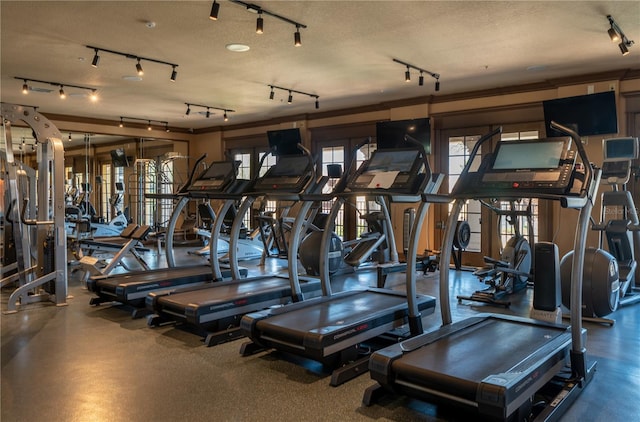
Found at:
<point>593,114</point>
<point>289,165</point>
<point>620,149</point>
<point>394,134</point>
<point>389,160</point>
<point>118,158</point>
<point>526,155</point>
<point>218,170</point>
<point>285,141</point>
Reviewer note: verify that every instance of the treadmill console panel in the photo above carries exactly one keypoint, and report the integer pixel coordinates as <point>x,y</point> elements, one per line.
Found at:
<point>290,174</point>
<point>543,166</point>
<point>214,179</point>
<point>393,170</point>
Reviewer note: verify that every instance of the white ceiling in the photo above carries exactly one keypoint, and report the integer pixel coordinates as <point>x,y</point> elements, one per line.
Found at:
<point>345,57</point>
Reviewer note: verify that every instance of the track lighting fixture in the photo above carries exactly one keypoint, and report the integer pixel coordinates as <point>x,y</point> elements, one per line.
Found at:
<point>407,74</point>
<point>616,35</point>
<point>25,87</point>
<point>139,70</point>
<point>209,108</point>
<point>296,37</point>
<point>260,23</point>
<point>148,125</point>
<point>215,8</point>
<point>96,59</point>
<point>291,91</point>
<point>254,8</point>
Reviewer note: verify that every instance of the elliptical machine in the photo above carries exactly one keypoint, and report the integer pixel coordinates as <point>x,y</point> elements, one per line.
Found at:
<point>512,271</point>
<point>610,275</point>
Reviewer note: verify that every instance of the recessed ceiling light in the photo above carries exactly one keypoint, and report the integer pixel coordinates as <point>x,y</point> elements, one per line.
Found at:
<point>237,48</point>
<point>131,78</point>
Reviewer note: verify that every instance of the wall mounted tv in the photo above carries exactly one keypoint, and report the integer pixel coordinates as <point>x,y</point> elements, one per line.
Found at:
<point>593,114</point>
<point>285,141</point>
<point>118,158</point>
<point>394,134</point>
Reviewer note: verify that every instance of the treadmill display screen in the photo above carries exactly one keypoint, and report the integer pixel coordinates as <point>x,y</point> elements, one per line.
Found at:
<point>289,165</point>
<point>521,155</point>
<point>392,160</point>
<point>218,170</point>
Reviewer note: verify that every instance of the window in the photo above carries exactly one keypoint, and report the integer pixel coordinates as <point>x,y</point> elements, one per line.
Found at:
<point>506,230</point>
<point>460,148</point>
<point>333,155</point>
<point>364,205</point>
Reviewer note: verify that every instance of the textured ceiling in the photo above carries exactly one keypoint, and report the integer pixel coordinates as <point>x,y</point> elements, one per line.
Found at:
<point>345,57</point>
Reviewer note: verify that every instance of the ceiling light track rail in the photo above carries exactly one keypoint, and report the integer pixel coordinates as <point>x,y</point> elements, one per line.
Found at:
<point>254,8</point>
<point>96,60</point>
<point>209,108</point>
<point>291,91</point>
<point>407,74</point>
<point>123,120</point>
<point>617,35</point>
<point>60,85</point>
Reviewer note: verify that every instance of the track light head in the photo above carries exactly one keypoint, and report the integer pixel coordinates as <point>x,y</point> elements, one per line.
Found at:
<point>174,74</point>
<point>271,94</point>
<point>186,113</point>
<point>25,87</point>
<point>421,79</point>
<point>121,125</point>
<point>208,113</point>
<point>290,99</point>
<point>437,85</point>
<point>93,95</point>
<point>226,118</point>
<point>317,103</point>
<point>62,94</point>
<point>407,75</point>
<point>139,68</point>
<point>149,125</point>
<point>623,48</point>
<point>215,8</point>
<point>96,59</point>
<point>69,137</point>
<point>260,23</point>
<point>613,34</point>
<point>296,37</point>
<point>166,127</point>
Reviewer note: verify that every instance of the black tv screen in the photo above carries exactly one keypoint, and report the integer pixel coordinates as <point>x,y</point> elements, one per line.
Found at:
<point>394,134</point>
<point>118,158</point>
<point>285,141</point>
<point>593,114</point>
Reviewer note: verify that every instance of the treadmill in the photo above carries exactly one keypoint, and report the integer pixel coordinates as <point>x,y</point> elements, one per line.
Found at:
<point>131,288</point>
<point>493,366</point>
<point>336,328</point>
<point>214,310</point>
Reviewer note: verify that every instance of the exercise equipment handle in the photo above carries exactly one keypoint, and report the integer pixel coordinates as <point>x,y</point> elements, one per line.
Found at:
<point>32,222</point>
<point>588,175</point>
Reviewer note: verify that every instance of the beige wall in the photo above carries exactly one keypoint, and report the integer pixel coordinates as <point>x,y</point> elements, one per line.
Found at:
<point>516,106</point>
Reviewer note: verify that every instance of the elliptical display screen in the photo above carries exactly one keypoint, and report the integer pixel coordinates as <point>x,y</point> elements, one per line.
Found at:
<point>289,165</point>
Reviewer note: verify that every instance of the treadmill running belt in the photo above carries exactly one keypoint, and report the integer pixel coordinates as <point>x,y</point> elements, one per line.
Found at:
<point>170,274</point>
<point>457,363</point>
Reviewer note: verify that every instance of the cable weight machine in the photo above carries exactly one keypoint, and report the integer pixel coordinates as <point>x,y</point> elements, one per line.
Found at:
<point>45,277</point>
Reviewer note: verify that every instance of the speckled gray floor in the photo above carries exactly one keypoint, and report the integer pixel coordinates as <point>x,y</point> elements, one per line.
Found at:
<point>83,363</point>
